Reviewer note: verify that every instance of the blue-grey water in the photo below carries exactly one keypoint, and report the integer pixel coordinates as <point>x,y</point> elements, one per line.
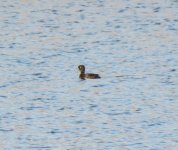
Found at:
<point>133,45</point>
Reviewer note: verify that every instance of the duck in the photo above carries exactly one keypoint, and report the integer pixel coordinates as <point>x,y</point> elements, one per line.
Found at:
<point>84,75</point>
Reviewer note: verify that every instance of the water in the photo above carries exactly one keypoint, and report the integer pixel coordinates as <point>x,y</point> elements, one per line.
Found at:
<point>131,44</point>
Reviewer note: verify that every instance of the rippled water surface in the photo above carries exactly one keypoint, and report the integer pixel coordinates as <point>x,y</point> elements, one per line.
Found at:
<point>133,45</point>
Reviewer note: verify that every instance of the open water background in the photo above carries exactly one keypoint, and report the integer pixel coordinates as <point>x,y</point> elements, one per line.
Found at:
<point>133,45</point>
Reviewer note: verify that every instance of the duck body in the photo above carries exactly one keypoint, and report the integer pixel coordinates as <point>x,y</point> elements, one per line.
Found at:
<point>84,75</point>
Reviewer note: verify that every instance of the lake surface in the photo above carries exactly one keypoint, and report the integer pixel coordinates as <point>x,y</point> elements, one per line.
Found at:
<point>133,45</point>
